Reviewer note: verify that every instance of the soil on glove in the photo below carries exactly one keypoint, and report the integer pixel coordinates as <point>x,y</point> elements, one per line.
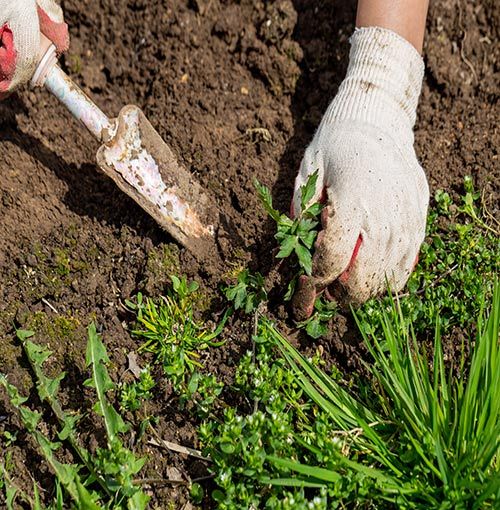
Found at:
<point>236,88</point>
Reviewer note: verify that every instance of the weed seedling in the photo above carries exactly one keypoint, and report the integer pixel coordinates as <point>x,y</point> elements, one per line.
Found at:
<point>202,390</point>
<point>172,333</point>
<point>248,292</point>
<point>133,394</point>
<point>324,311</point>
<point>295,235</point>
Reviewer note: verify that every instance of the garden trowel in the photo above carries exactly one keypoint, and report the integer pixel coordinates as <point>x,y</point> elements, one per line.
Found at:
<point>138,160</point>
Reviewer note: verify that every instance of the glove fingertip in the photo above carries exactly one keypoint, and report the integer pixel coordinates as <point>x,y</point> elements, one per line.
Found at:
<point>304,298</point>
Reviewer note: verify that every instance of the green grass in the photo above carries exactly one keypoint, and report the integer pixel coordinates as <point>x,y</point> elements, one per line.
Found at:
<point>428,439</point>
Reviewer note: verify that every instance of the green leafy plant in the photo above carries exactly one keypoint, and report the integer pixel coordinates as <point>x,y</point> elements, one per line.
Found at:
<point>202,390</point>
<point>134,393</point>
<point>172,333</point>
<point>238,443</point>
<point>104,479</point>
<point>9,437</point>
<point>324,311</point>
<point>471,208</point>
<point>295,235</point>
<point>248,291</point>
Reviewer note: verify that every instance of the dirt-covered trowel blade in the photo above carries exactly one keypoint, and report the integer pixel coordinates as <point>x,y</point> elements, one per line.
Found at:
<point>145,168</point>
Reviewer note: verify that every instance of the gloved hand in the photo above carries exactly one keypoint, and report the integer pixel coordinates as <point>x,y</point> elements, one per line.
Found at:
<point>21,22</point>
<point>376,193</point>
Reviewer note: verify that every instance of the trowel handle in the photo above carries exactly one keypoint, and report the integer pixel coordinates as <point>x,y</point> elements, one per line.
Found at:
<point>56,81</point>
<point>79,104</point>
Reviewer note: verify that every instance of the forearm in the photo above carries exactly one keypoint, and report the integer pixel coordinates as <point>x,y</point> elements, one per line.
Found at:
<point>405,17</point>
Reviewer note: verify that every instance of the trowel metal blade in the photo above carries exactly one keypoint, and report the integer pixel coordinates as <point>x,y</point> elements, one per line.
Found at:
<point>145,168</point>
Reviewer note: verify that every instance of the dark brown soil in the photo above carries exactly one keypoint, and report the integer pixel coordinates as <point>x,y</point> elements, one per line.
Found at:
<point>236,88</point>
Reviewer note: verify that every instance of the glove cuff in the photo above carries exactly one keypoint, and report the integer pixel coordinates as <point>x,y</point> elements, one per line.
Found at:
<point>383,82</point>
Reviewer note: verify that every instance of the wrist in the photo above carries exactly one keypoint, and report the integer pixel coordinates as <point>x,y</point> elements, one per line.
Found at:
<point>382,84</point>
<point>405,17</point>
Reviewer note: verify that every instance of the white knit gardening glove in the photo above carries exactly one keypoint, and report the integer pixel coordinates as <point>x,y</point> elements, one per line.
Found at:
<point>376,192</point>
<point>21,22</point>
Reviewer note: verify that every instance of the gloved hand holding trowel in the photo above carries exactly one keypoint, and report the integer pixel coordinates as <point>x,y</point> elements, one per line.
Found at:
<point>21,23</point>
<point>375,190</point>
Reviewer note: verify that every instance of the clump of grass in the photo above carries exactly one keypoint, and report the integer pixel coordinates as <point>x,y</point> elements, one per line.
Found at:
<point>104,479</point>
<point>177,340</point>
<point>170,330</point>
<point>427,438</point>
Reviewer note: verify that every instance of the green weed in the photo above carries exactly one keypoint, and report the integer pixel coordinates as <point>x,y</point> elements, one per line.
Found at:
<point>171,332</point>
<point>104,479</point>
<point>176,338</point>
<point>316,325</point>
<point>132,395</point>
<point>248,291</point>
<point>295,235</point>
<point>202,391</point>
